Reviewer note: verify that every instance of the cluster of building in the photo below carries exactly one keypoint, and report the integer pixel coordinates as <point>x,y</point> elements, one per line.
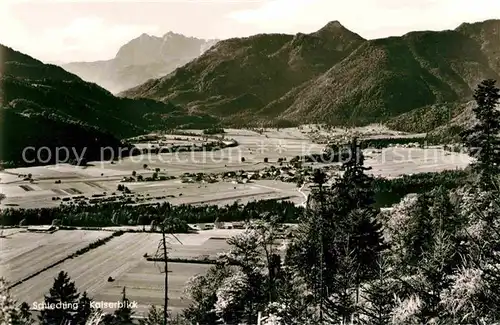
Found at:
<point>285,173</point>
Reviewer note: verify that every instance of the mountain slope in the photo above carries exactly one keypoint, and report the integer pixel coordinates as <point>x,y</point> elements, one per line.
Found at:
<point>141,59</point>
<point>430,118</point>
<point>332,75</point>
<point>44,105</point>
<point>239,76</point>
<point>388,77</point>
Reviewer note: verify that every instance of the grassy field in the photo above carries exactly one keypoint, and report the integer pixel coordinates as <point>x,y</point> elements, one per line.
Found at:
<point>397,161</point>
<point>144,284</point>
<point>123,259</point>
<point>183,193</point>
<point>24,253</point>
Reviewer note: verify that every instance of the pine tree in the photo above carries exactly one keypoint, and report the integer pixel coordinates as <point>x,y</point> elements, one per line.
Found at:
<point>63,296</point>
<point>155,317</point>
<point>123,315</point>
<point>482,139</point>
<point>482,263</point>
<point>355,182</point>
<point>201,290</point>
<point>448,224</point>
<point>25,317</point>
<point>365,238</point>
<point>419,236</point>
<point>362,230</point>
<point>339,240</point>
<point>377,297</point>
<point>434,271</point>
<point>294,299</point>
<point>340,305</point>
<point>311,247</point>
<point>9,314</point>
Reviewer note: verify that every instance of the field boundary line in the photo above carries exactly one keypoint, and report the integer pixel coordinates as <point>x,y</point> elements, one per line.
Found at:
<point>210,261</point>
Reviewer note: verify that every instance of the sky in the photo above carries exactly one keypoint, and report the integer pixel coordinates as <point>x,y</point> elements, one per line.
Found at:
<point>66,30</point>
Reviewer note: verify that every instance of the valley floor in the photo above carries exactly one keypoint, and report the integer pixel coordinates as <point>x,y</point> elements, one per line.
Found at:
<point>122,258</point>
<point>104,177</point>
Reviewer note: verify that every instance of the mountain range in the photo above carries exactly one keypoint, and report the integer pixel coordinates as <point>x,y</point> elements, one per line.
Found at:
<point>335,76</point>
<point>419,82</point>
<point>143,58</point>
<point>43,105</point>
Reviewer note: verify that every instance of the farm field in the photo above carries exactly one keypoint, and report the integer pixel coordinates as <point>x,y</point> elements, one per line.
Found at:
<point>217,193</point>
<point>398,161</point>
<point>123,259</point>
<point>24,253</point>
<point>220,193</point>
<point>144,285</point>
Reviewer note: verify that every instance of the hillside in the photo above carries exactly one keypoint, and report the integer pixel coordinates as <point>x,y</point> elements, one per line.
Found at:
<point>333,75</point>
<point>237,77</point>
<point>143,58</point>
<point>428,118</point>
<point>44,105</point>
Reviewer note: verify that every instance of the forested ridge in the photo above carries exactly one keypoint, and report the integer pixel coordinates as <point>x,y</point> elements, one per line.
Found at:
<point>416,82</point>
<point>433,259</point>
<point>42,105</point>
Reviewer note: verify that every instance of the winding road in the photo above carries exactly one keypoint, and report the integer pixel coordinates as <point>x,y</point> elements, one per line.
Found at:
<point>303,194</point>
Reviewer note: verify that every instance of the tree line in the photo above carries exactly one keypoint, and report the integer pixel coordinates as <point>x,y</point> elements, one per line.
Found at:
<point>103,214</point>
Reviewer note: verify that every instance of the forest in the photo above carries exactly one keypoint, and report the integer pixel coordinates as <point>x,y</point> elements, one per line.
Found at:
<point>433,259</point>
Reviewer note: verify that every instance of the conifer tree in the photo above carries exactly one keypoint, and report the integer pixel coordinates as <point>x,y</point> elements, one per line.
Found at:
<point>483,261</point>
<point>339,240</point>
<point>378,299</point>
<point>365,237</point>
<point>294,299</point>
<point>482,139</point>
<point>84,309</point>
<point>63,296</point>
<point>355,182</point>
<point>362,230</point>
<point>155,317</point>
<point>418,238</point>
<point>25,317</point>
<point>340,305</point>
<point>434,272</point>
<point>448,225</point>
<point>10,313</point>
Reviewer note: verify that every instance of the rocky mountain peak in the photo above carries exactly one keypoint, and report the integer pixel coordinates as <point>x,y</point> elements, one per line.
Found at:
<point>171,34</point>
<point>336,29</point>
<point>334,24</point>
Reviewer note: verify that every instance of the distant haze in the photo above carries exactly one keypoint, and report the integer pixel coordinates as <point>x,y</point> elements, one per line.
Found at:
<point>65,30</point>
